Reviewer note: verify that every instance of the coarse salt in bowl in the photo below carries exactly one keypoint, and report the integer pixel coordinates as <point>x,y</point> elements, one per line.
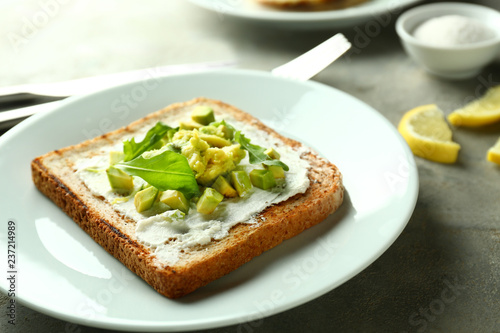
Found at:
<point>451,40</point>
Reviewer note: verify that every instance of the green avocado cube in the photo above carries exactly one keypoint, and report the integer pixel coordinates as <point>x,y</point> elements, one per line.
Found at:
<point>208,201</point>
<point>175,200</point>
<point>145,199</point>
<point>262,178</point>
<point>203,115</point>
<point>272,153</point>
<point>119,180</point>
<point>189,125</point>
<point>241,182</point>
<point>222,186</point>
<point>215,141</point>
<point>277,171</point>
<point>228,132</point>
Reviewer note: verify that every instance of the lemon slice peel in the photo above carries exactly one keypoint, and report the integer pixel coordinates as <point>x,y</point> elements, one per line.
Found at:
<point>493,154</point>
<point>482,111</point>
<point>428,135</point>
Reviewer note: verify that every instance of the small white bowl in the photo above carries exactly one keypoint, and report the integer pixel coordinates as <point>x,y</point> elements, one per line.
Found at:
<point>451,62</point>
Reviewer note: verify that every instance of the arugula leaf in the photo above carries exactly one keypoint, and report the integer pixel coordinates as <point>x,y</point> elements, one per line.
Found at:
<point>132,149</point>
<point>256,153</point>
<point>165,171</point>
<point>276,162</point>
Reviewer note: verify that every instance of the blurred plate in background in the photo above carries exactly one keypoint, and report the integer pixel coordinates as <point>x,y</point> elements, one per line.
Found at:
<point>378,10</point>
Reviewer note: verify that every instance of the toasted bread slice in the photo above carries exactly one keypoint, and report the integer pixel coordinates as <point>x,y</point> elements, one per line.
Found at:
<point>54,175</point>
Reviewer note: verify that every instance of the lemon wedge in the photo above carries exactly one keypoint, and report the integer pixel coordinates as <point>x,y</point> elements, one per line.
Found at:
<point>482,111</point>
<point>494,153</point>
<point>425,130</point>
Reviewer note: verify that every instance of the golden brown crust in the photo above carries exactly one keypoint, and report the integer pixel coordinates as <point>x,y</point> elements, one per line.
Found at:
<point>54,178</point>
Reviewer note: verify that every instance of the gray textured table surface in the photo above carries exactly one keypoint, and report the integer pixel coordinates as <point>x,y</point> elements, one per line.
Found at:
<point>441,275</point>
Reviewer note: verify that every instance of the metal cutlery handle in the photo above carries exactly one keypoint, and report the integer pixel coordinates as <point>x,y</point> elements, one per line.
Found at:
<point>21,93</point>
<point>46,95</point>
<point>12,117</point>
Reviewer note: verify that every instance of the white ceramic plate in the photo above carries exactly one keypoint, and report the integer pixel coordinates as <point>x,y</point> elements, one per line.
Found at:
<point>380,11</point>
<point>62,272</point>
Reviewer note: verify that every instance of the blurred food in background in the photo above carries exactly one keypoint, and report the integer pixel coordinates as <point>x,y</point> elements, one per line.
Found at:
<point>310,4</point>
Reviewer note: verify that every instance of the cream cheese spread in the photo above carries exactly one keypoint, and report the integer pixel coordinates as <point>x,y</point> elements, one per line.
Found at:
<point>168,233</point>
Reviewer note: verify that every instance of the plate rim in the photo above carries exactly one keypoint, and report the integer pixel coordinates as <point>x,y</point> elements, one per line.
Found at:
<point>340,15</point>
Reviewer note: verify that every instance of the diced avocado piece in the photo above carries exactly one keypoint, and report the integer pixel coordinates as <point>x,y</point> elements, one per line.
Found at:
<point>262,178</point>
<point>277,171</point>
<point>272,153</point>
<point>189,125</point>
<point>228,132</point>
<point>215,141</point>
<point>241,182</point>
<point>145,199</point>
<point>145,186</point>
<point>209,129</point>
<point>176,200</point>
<point>223,129</point>
<point>222,186</point>
<point>209,200</point>
<point>203,115</point>
<point>115,157</point>
<point>119,180</point>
